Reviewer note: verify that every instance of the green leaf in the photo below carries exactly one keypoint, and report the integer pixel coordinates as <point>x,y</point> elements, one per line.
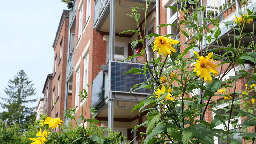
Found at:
<point>217,33</point>
<point>135,31</point>
<point>172,7</point>
<point>246,57</point>
<point>96,139</point>
<point>187,50</point>
<point>185,33</point>
<point>165,25</point>
<point>131,57</point>
<point>157,130</point>
<point>153,122</point>
<point>135,71</point>
<point>249,135</point>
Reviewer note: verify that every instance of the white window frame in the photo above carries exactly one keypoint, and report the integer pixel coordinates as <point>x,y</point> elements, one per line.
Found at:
<point>80,20</point>
<point>118,57</point>
<point>69,90</point>
<point>85,75</point>
<point>53,96</point>
<point>88,10</point>
<point>171,19</point>
<point>86,71</point>
<point>77,87</point>
<point>149,42</point>
<point>61,45</point>
<point>55,64</point>
<point>221,126</point>
<point>59,85</point>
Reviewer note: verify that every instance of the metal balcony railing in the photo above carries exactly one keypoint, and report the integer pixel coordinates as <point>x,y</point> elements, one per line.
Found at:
<point>120,82</point>
<point>70,63</point>
<point>101,9</point>
<point>215,9</point>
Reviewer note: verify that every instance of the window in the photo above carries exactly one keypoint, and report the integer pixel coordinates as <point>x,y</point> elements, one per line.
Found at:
<point>172,19</point>
<point>53,96</point>
<point>149,49</point>
<point>61,49</point>
<point>55,64</point>
<point>72,43</point>
<point>69,87</point>
<point>80,28</point>
<point>120,53</point>
<point>86,65</point>
<point>77,87</point>
<point>88,10</point>
<point>59,85</point>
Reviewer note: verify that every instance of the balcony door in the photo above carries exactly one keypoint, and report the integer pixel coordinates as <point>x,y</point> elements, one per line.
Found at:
<point>120,52</point>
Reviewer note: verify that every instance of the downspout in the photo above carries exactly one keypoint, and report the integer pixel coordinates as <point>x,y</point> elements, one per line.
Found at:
<point>157,17</point>
<point>111,58</point>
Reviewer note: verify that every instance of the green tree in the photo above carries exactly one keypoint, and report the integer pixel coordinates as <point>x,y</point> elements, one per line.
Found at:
<point>20,92</point>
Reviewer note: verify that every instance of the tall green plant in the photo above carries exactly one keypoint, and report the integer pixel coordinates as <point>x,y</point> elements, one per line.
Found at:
<point>185,89</point>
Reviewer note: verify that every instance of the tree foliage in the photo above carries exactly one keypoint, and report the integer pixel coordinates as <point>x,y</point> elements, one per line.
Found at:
<point>20,92</point>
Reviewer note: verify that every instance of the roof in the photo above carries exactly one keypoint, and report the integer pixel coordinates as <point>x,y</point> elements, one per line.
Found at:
<point>65,14</point>
<point>48,76</point>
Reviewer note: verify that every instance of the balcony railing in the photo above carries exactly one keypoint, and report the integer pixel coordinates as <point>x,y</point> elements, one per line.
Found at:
<point>101,11</point>
<point>120,82</point>
<point>70,63</point>
<point>216,9</point>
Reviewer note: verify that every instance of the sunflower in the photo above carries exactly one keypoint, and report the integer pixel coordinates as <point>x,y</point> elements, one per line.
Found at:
<point>205,65</point>
<point>243,18</point>
<point>165,45</point>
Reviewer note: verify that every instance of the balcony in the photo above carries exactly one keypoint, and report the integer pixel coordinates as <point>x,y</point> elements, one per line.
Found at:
<point>121,83</point>
<point>225,11</point>
<point>123,7</point>
<point>70,63</point>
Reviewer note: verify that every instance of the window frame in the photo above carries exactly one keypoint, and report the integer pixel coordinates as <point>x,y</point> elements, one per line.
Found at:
<point>88,10</point>
<point>171,19</point>
<point>149,42</point>
<point>80,20</point>
<point>59,85</point>
<point>77,92</point>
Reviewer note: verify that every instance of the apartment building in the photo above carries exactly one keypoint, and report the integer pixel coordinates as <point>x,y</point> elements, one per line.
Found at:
<point>89,48</point>
<point>47,91</point>
<point>60,46</point>
<point>40,108</point>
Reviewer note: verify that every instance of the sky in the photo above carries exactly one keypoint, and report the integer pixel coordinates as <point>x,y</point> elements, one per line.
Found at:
<point>27,32</point>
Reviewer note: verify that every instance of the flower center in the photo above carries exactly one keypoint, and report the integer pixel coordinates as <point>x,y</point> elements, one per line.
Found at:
<point>203,65</point>
<point>161,41</point>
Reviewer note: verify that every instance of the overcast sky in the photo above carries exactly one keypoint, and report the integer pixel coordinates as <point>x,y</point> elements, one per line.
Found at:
<point>27,32</point>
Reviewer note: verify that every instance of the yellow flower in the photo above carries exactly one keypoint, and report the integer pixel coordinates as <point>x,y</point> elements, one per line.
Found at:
<point>253,100</point>
<point>243,18</point>
<point>246,86</point>
<point>252,86</point>
<point>161,92</point>
<point>169,97</point>
<point>204,66</point>
<point>42,122</point>
<point>53,122</point>
<point>172,75</point>
<point>41,137</point>
<point>228,97</point>
<point>164,45</point>
<point>221,90</point>
<point>244,92</point>
<point>163,79</point>
<point>169,90</point>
